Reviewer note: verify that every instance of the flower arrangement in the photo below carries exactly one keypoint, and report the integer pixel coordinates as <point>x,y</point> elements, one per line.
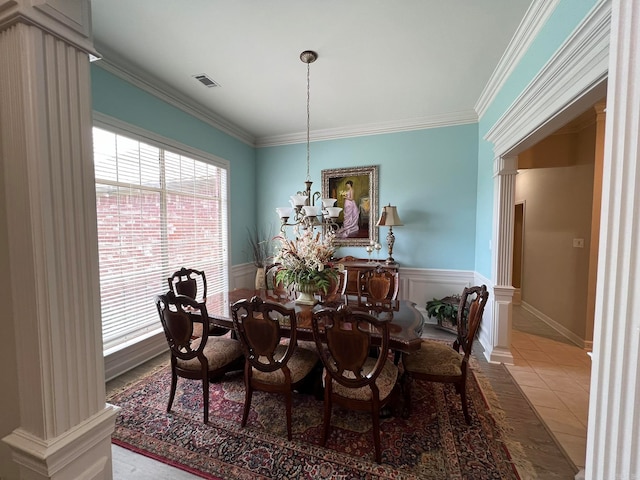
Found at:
<point>306,260</point>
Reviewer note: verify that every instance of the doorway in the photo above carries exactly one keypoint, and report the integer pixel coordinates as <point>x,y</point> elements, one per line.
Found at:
<point>518,249</point>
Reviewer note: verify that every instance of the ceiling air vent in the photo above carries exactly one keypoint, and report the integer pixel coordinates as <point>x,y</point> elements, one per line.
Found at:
<point>206,81</point>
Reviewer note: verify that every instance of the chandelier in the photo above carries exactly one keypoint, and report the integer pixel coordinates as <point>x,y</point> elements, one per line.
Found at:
<point>309,210</point>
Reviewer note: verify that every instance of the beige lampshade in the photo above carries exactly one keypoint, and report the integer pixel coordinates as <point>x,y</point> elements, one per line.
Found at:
<point>389,217</point>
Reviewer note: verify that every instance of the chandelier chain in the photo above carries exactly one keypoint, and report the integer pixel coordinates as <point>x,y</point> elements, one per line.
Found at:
<point>308,121</point>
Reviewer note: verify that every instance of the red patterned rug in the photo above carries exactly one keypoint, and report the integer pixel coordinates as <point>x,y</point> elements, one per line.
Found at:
<point>435,442</point>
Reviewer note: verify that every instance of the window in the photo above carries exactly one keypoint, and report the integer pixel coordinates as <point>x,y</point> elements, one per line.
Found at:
<point>158,210</point>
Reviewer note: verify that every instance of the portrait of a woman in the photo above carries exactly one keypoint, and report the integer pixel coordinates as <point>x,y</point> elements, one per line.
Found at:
<point>351,212</point>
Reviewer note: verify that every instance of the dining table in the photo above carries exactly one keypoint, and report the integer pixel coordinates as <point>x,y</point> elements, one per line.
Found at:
<point>405,321</point>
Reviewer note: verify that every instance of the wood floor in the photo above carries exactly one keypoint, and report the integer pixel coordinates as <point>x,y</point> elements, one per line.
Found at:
<point>547,458</point>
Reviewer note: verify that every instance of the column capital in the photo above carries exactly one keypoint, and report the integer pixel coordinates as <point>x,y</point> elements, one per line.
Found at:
<point>69,20</point>
<point>505,165</point>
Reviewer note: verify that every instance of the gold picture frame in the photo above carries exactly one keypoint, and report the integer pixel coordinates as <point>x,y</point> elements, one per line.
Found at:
<point>356,191</point>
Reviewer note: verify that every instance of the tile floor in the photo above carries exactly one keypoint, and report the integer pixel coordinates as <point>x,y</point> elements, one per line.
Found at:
<point>554,375</point>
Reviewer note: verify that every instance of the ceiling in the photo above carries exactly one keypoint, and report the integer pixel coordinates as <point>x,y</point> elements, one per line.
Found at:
<point>382,65</point>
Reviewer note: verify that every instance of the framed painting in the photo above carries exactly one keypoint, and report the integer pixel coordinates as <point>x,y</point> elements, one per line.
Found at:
<point>356,191</point>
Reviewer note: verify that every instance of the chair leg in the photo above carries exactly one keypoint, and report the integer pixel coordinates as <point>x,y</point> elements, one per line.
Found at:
<point>247,404</point>
<point>406,384</point>
<point>288,400</point>
<point>327,411</point>
<point>375,417</point>
<point>396,357</point>
<point>463,398</point>
<point>248,392</point>
<point>205,395</point>
<point>172,393</point>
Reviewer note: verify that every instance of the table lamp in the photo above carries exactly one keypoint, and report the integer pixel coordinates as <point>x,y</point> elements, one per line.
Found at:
<point>389,218</point>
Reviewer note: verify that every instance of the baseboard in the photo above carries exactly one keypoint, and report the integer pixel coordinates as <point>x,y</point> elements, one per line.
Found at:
<point>565,332</point>
<point>117,362</point>
<point>517,297</point>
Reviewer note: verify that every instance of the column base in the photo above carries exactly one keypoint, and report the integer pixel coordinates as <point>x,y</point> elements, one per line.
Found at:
<point>84,452</point>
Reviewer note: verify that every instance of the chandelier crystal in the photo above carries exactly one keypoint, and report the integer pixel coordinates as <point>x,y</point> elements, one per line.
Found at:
<point>309,210</point>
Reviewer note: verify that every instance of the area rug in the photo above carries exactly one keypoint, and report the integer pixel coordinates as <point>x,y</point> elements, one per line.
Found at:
<point>434,442</point>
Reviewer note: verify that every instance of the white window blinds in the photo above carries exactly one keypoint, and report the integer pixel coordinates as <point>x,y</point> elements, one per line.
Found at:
<point>157,211</point>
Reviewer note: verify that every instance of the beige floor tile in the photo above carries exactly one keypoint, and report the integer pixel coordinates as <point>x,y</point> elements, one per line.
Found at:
<point>520,363</point>
<point>524,342</point>
<point>562,421</point>
<point>549,368</point>
<point>574,446</point>
<point>571,359</point>
<point>528,378</point>
<point>578,404</point>
<point>535,356</point>
<point>542,397</point>
<point>562,383</point>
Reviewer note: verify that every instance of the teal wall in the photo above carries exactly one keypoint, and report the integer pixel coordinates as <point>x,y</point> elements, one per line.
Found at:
<point>440,179</point>
<point>565,18</point>
<point>430,175</point>
<point>119,99</point>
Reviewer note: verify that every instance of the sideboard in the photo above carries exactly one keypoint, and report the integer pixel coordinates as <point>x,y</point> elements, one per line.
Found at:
<point>354,265</point>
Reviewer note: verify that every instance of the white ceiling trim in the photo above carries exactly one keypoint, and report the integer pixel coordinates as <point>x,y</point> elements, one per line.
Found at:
<point>445,120</point>
<point>113,63</point>
<point>576,71</point>
<point>537,15</point>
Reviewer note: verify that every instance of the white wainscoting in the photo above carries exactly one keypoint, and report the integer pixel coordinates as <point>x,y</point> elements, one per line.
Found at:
<point>418,285</point>
<point>484,336</point>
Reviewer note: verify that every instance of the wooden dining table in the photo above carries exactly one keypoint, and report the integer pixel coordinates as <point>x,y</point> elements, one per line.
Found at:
<point>405,320</point>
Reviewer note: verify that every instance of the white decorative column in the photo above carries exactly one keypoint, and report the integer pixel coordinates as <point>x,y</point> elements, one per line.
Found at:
<point>596,204</point>
<point>613,436</point>
<point>498,349</point>
<point>65,426</point>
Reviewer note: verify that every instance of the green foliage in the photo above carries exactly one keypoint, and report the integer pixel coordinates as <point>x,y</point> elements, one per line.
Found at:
<point>321,279</point>
<point>444,309</point>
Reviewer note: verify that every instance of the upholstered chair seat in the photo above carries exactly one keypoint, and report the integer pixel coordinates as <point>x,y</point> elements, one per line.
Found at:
<point>300,365</point>
<point>219,351</point>
<point>385,382</point>
<point>435,358</point>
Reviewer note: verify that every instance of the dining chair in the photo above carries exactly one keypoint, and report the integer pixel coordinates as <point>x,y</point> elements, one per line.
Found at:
<point>271,364</point>
<point>438,362</point>
<point>377,287</point>
<point>336,291</point>
<point>189,282</point>
<point>201,358</point>
<point>192,283</point>
<point>352,378</point>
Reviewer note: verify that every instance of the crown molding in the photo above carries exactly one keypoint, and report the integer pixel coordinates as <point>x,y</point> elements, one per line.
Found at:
<point>573,72</point>
<point>435,121</point>
<point>113,63</point>
<point>534,19</point>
